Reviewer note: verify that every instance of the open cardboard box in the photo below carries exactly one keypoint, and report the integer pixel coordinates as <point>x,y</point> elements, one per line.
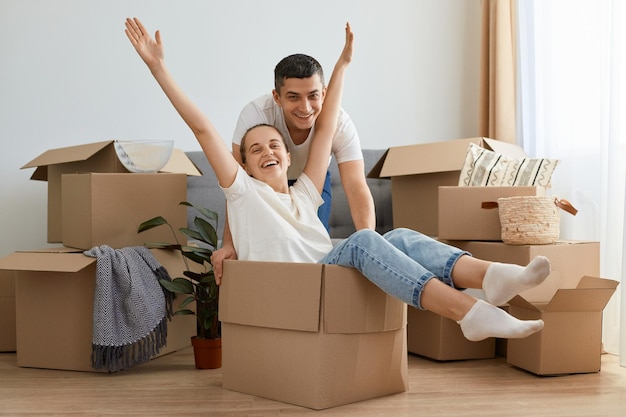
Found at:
<point>461,216</point>
<point>569,260</point>
<point>106,209</point>
<point>312,335</point>
<point>439,338</point>
<point>571,340</point>
<point>54,290</point>
<point>92,157</point>
<point>417,171</point>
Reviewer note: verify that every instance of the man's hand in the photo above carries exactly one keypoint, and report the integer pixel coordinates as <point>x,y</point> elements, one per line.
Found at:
<point>217,259</point>
<point>150,50</point>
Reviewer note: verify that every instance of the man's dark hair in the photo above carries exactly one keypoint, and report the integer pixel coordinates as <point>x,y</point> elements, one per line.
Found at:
<point>296,66</point>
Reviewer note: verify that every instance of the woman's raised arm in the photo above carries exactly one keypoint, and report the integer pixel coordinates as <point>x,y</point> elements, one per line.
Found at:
<point>326,123</point>
<point>151,52</point>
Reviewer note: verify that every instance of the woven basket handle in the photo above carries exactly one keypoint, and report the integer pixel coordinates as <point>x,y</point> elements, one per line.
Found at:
<point>563,204</point>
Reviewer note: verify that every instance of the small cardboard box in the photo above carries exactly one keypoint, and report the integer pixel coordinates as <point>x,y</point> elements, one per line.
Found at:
<point>439,338</point>
<point>92,157</point>
<point>54,292</point>
<point>461,216</point>
<point>571,340</point>
<point>106,209</point>
<point>569,260</point>
<point>417,171</point>
<point>7,311</point>
<point>312,335</point>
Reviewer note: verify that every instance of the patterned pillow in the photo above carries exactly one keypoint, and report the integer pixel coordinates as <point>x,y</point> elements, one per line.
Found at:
<point>483,167</point>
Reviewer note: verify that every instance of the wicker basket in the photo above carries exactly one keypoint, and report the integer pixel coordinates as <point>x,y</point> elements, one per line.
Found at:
<point>531,220</point>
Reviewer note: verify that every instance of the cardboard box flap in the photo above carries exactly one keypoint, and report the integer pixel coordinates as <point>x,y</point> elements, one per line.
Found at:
<point>591,294</point>
<point>507,149</point>
<point>426,158</point>
<point>519,301</point>
<point>179,163</point>
<point>377,168</point>
<point>352,304</point>
<point>580,299</point>
<point>67,154</point>
<point>594,282</point>
<point>46,261</point>
<point>282,295</point>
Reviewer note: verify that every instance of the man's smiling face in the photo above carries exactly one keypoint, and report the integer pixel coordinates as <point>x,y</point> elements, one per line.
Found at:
<point>301,100</point>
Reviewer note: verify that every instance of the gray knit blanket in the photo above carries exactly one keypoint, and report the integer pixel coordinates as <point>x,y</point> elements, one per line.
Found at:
<point>130,309</point>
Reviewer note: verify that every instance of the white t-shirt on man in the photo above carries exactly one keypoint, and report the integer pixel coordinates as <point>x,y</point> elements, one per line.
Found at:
<point>346,145</point>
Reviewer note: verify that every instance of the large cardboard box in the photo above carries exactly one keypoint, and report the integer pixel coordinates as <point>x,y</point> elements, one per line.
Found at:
<point>92,157</point>
<point>439,338</point>
<point>54,291</point>
<point>106,209</point>
<point>312,335</point>
<point>7,311</point>
<point>571,340</point>
<point>461,212</point>
<point>569,260</point>
<point>417,171</point>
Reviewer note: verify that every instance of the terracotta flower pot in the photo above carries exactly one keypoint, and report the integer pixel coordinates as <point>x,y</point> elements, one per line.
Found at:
<point>207,353</point>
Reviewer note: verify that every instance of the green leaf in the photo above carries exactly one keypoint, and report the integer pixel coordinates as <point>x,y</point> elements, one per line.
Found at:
<point>191,233</point>
<point>186,302</point>
<point>149,224</point>
<point>207,231</point>
<point>196,276</point>
<point>197,258</point>
<point>162,245</point>
<point>178,285</point>
<point>209,214</point>
<point>184,313</point>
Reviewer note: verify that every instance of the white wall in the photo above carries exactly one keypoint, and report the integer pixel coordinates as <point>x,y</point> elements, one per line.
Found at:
<point>68,75</point>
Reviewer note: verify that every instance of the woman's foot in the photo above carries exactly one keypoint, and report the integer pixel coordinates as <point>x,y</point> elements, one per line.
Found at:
<point>504,281</point>
<point>484,320</point>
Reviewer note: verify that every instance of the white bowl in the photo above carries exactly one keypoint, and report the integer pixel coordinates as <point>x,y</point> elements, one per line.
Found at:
<point>144,155</point>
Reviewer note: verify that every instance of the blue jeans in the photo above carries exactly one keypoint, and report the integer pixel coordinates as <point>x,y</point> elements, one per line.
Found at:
<point>400,262</point>
<point>323,212</point>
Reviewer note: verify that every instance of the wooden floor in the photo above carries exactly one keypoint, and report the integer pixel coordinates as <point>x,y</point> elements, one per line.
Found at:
<point>170,386</point>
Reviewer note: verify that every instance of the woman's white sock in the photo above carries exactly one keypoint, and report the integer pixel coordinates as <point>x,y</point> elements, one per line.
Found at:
<point>484,320</point>
<point>504,281</point>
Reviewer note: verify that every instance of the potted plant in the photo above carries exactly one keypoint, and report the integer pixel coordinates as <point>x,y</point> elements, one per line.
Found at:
<point>198,283</point>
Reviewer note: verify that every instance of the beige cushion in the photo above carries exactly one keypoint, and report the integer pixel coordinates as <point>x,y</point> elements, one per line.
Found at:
<point>483,167</point>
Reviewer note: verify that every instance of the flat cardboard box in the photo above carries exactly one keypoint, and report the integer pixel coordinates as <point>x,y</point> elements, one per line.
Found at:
<point>417,171</point>
<point>7,311</point>
<point>312,335</point>
<point>462,216</point>
<point>571,340</point>
<point>54,307</point>
<point>92,157</point>
<point>569,260</point>
<point>106,209</point>
<point>439,338</point>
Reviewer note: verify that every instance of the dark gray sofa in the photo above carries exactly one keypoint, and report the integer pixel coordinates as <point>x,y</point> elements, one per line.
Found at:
<point>205,192</point>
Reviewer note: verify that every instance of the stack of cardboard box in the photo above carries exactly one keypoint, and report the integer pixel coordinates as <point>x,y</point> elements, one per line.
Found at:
<point>426,197</point>
<point>92,200</point>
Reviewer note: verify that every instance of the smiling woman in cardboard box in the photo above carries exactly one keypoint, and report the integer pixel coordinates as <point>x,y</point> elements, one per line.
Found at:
<point>272,221</point>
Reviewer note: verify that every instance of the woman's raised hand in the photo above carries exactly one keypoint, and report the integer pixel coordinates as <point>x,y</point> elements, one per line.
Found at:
<point>150,50</point>
<point>346,54</point>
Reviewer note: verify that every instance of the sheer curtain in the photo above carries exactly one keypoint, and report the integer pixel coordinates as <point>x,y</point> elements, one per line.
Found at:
<point>571,106</point>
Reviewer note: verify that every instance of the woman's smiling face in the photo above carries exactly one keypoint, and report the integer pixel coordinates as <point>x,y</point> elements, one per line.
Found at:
<point>265,155</point>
